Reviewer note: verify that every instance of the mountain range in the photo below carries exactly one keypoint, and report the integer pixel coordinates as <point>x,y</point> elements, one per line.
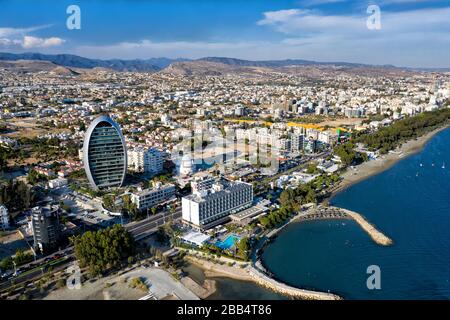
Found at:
<point>153,64</point>
<point>181,65</point>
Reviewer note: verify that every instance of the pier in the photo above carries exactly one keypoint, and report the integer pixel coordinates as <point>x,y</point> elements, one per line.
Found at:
<point>376,235</point>
<point>262,279</point>
<point>340,213</point>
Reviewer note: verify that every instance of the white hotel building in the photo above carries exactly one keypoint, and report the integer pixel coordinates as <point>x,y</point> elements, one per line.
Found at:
<point>149,198</point>
<point>207,208</point>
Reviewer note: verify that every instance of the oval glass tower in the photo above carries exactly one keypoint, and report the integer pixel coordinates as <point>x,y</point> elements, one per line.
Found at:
<point>104,154</point>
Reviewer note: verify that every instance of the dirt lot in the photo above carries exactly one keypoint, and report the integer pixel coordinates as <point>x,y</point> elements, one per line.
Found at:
<point>160,283</point>
<point>10,242</point>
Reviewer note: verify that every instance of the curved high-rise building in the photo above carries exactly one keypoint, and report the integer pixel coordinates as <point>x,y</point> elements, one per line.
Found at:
<point>104,154</point>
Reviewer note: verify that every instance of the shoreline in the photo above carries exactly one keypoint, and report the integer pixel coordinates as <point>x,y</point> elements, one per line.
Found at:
<point>350,177</point>
<point>252,274</point>
<point>384,162</point>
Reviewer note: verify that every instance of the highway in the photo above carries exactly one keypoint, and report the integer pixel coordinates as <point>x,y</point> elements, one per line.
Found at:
<point>38,270</point>
<point>138,230</point>
<point>144,228</point>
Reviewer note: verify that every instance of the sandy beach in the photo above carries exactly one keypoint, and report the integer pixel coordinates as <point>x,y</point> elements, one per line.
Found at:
<point>251,274</point>
<point>384,162</point>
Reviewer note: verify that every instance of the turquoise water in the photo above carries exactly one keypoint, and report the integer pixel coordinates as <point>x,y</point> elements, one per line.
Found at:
<point>410,203</point>
<point>228,243</point>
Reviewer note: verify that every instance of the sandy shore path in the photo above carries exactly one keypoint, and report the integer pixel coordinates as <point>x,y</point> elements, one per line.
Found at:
<point>384,162</point>
<point>250,273</point>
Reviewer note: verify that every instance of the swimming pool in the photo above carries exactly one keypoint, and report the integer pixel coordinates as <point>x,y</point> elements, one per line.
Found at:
<point>228,243</point>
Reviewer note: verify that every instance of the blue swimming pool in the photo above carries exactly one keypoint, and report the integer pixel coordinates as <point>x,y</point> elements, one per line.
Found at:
<point>228,243</point>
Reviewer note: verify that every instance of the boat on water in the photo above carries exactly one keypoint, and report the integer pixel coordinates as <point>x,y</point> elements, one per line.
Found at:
<point>421,164</point>
<point>443,165</point>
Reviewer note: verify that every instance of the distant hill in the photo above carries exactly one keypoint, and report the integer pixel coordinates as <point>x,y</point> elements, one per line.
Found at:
<point>73,61</point>
<point>202,66</point>
<point>278,63</point>
<point>36,66</point>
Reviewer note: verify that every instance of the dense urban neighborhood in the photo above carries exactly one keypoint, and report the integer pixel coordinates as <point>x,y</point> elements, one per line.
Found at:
<point>122,176</point>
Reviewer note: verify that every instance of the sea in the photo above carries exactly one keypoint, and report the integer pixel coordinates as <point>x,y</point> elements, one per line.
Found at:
<point>410,203</point>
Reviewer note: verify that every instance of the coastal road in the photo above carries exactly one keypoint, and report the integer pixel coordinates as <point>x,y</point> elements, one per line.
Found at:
<point>143,228</point>
<point>37,272</point>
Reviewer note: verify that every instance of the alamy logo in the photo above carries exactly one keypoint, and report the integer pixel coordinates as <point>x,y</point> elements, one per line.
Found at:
<point>374,280</point>
<point>74,280</point>
<point>74,20</point>
<point>374,20</point>
<point>202,147</point>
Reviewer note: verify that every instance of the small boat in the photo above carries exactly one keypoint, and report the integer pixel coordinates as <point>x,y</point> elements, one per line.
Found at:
<point>421,164</point>
<point>417,174</point>
<point>432,164</point>
<point>443,165</point>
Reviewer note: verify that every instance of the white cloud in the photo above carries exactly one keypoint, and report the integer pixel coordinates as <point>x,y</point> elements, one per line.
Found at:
<point>419,38</point>
<point>311,3</point>
<point>8,32</point>
<point>30,42</point>
<point>14,38</point>
<point>304,22</point>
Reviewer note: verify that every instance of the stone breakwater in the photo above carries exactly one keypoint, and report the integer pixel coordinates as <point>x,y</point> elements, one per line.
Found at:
<point>253,274</point>
<point>376,235</point>
<point>265,281</point>
<point>340,213</point>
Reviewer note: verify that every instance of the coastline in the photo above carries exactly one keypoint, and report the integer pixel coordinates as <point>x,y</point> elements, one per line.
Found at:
<point>252,274</point>
<point>350,177</point>
<point>384,162</point>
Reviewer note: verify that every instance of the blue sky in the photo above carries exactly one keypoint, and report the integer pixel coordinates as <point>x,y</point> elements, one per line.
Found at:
<point>413,32</point>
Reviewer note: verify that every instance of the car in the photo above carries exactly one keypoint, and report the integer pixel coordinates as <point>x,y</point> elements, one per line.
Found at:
<point>7,274</point>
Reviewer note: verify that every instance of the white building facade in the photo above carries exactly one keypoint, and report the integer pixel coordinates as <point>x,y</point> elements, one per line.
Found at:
<point>4,218</point>
<point>149,198</point>
<point>207,208</point>
<point>145,160</point>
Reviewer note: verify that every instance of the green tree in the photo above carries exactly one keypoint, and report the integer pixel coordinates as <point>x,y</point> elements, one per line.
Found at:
<point>244,248</point>
<point>104,249</point>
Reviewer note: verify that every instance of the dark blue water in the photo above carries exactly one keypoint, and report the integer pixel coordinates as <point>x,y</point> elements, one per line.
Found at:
<point>410,204</point>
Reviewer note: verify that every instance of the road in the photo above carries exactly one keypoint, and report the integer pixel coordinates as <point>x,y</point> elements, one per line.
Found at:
<point>143,228</point>
<point>38,271</point>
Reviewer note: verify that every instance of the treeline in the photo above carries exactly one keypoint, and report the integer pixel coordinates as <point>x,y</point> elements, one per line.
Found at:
<point>5,155</point>
<point>389,138</point>
<point>276,218</point>
<point>291,200</point>
<point>105,249</point>
<point>17,195</point>
<point>346,152</point>
<point>21,257</point>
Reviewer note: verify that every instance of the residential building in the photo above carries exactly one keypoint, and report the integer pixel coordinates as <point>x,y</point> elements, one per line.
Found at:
<point>149,198</point>
<point>57,183</point>
<point>45,226</point>
<point>201,184</point>
<point>145,160</point>
<point>297,143</point>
